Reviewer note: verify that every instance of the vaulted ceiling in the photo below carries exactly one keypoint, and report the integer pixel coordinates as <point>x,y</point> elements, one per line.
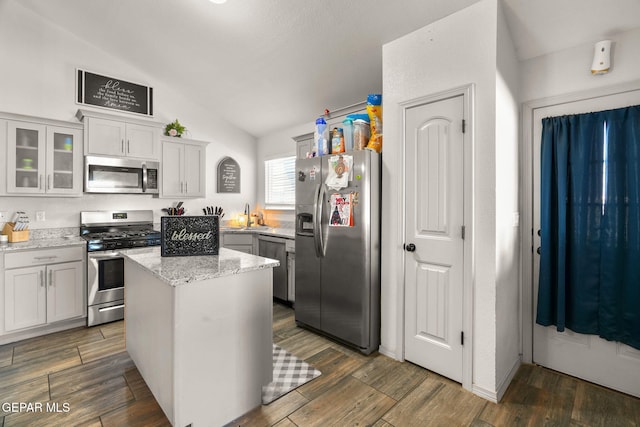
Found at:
<point>270,64</point>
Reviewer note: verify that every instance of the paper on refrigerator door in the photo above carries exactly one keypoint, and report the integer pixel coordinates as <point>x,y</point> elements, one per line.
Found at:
<point>341,215</point>
<point>339,171</point>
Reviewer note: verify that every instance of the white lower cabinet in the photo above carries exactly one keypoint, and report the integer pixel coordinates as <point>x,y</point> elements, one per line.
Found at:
<point>25,298</point>
<point>64,291</point>
<point>46,293</point>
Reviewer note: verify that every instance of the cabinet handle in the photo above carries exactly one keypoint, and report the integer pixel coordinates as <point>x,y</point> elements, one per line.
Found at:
<point>49,182</point>
<point>41,279</point>
<point>50,278</point>
<point>181,187</point>
<point>40,182</point>
<point>122,146</point>
<point>185,187</point>
<point>39,258</point>
<point>128,147</point>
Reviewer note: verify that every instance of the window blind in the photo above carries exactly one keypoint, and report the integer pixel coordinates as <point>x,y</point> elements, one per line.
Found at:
<point>279,182</point>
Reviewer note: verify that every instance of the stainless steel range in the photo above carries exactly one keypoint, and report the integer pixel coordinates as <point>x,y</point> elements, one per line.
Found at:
<point>106,232</point>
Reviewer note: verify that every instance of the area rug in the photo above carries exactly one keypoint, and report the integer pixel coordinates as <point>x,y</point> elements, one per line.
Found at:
<point>289,373</point>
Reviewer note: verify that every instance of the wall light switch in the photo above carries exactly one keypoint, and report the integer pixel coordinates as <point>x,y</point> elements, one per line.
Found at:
<point>40,216</point>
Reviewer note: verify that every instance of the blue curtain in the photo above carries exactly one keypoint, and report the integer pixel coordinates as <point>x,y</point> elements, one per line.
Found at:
<point>590,224</point>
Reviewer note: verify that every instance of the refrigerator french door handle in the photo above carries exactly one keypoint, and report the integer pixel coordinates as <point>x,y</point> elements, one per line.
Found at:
<point>316,226</point>
<point>318,219</point>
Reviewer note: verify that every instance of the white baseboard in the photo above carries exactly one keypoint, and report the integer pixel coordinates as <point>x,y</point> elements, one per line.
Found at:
<point>49,329</point>
<point>484,393</point>
<point>389,353</point>
<point>502,388</point>
<point>496,396</point>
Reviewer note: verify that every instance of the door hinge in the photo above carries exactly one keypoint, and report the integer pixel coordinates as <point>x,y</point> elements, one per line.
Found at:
<point>463,231</point>
<point>461,337</point>
<point>464,125</point>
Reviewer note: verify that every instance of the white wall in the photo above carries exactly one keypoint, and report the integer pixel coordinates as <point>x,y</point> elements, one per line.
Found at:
<point>507,210</point>
<point>37,78</point>
<point>459,50</point>
<point>279,144</point>
<point>568,71</point>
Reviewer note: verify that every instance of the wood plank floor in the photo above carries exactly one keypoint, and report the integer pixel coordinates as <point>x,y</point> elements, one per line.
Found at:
<point>88,374</point>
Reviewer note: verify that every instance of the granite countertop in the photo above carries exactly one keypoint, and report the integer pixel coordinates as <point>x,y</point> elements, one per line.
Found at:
<point>286,233</point>
<point>71,240</point>
<point>177,271</point>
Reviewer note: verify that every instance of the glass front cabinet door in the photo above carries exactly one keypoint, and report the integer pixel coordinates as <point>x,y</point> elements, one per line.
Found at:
<point>44,159</point>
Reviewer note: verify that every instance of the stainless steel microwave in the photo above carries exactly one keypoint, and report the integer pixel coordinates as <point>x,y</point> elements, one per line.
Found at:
<point>120,175</point>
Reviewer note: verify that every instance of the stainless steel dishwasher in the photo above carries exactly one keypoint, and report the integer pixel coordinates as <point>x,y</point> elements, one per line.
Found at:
<point>275,248</point>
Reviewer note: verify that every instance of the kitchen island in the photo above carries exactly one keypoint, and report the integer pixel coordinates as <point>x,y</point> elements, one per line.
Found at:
<point>198,329</point>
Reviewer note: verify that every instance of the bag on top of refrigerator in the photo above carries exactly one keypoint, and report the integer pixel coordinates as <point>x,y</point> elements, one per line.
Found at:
<point>374,109</point>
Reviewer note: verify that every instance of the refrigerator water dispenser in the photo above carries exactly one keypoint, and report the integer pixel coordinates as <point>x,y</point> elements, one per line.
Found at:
<point>304,224</point>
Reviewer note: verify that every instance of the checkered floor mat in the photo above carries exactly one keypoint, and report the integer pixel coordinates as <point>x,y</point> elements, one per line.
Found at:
<point>289,372</point>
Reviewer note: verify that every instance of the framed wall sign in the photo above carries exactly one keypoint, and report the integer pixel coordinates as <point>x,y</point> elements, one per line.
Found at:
<point>228,176</point>
<point>115,94</point>
<point>189,235</point>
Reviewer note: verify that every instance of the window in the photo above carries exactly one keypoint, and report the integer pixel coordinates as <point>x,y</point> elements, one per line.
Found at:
<point>279,183</point>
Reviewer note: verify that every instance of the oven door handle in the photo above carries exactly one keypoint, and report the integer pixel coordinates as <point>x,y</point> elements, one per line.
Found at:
<point>113,307</point>
<point>105,256</point>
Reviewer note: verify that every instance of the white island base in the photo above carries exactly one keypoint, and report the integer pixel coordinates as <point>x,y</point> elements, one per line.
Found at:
<point>203,347</point>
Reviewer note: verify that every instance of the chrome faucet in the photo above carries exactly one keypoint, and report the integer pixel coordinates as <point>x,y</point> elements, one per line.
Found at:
<point>247,212</point>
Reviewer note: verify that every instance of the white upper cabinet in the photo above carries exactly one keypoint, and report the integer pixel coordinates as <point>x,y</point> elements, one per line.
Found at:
<point>183,168</point>
<point>120,137</point>
<point>43,158</point>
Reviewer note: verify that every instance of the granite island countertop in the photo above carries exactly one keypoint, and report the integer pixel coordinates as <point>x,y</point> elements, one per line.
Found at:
<point>181,270</point>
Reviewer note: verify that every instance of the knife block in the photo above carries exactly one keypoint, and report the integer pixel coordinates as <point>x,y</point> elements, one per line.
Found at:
<point>15,236</point>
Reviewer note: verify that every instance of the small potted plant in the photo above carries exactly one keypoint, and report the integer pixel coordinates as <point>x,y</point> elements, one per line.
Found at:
<point>174,129</point>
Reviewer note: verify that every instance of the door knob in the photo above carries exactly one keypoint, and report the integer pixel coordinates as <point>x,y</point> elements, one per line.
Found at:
<point>538,250</point>
<point>410,247</point>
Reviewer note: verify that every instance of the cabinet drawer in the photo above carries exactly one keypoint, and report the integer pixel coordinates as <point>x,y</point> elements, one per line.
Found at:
<point>237,239</point>
<point>43,256</point>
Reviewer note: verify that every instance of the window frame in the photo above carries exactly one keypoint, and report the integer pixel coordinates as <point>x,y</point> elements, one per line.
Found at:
<point>269,201</point>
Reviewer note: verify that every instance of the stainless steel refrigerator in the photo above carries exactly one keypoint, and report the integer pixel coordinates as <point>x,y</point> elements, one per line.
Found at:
<point>337,271</point>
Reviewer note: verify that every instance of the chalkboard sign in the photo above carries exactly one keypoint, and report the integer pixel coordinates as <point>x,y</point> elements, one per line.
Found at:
<point>116,94</point>
<point>189,235</point>
<point>228,176</point>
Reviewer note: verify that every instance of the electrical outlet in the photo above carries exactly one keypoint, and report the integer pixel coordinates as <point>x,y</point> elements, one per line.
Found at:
<point>40,216</point>
<point>3,216</point>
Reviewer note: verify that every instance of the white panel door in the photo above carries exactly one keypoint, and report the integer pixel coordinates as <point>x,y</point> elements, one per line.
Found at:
<point>434,218</point>
<point>589,357</point>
